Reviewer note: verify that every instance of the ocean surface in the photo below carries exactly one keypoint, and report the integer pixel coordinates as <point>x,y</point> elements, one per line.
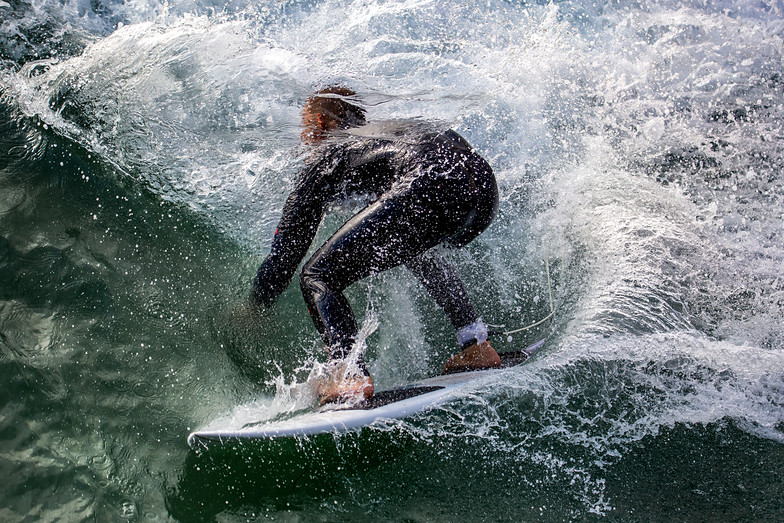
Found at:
<point>146,150</point>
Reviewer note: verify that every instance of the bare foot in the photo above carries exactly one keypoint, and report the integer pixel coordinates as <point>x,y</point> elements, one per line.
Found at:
<point>343,384</point>
<point>477,356</point>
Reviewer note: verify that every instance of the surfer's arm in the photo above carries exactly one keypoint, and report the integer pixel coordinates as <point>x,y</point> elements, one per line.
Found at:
<point>302,215</point>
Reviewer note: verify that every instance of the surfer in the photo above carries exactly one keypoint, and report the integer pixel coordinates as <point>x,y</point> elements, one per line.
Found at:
<point>428,188</point>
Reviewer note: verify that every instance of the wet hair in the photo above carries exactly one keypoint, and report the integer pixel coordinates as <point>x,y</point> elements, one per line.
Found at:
<point>333,102</point>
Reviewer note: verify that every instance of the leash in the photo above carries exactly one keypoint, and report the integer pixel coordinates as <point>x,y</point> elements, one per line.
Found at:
<point>509,333</point>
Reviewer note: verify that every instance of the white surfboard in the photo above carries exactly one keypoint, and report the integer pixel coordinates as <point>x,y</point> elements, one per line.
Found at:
<point>411,399</point>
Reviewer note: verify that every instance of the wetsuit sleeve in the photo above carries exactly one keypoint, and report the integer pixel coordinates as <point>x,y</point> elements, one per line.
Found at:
<point>302,215</point>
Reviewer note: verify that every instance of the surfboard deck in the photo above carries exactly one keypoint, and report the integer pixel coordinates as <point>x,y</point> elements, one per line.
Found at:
<point>416,397</point>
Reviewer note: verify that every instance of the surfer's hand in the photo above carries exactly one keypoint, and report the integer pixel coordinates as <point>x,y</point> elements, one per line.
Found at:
<point>261,297</point>
<point>269,283</point>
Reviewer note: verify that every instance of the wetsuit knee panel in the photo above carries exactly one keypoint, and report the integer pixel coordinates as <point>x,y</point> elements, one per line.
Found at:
<point>310,280</point>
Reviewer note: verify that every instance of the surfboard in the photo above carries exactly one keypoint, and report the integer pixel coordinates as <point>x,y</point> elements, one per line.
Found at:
<point>414,398</point>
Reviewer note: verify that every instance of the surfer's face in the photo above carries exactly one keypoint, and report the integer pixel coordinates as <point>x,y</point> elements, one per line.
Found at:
<point>315,126</point>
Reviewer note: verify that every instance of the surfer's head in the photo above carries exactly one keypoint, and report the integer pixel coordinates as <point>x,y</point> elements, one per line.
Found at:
<point>328,109</point>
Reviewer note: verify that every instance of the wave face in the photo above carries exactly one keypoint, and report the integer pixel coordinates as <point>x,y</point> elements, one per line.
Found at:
<point>146,150</point>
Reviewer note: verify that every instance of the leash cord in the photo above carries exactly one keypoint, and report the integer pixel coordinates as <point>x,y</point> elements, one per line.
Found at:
<point>548,317</point>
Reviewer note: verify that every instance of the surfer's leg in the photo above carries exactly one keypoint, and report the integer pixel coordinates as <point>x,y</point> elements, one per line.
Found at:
<point>443,283</point>
<point>385,234</point>
<point>381,236</point>
<point>445,286</point>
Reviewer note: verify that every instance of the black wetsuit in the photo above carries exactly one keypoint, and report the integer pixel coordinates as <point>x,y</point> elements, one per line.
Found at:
<point>431,189</point>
